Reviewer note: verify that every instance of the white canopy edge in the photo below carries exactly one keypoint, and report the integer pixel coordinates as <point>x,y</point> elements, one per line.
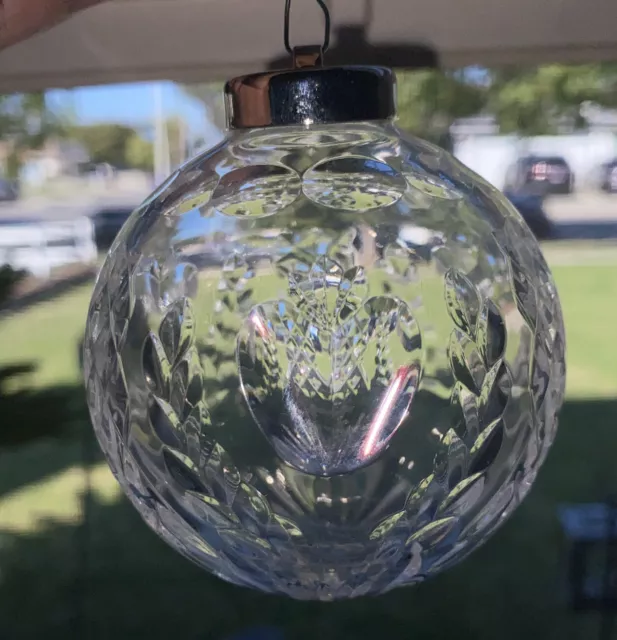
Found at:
<point>201,40</point>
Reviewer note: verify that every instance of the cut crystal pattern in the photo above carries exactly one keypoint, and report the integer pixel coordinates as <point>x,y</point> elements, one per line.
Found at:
<point>325,363</point>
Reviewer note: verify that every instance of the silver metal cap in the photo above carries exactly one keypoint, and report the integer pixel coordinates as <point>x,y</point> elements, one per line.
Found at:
<point>310,95</point>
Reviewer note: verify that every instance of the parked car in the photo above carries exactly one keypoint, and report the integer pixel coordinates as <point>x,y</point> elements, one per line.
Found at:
<point>107,224</point>
<point>608,176</point>
<point>540,174</point>
<point>531,208</point>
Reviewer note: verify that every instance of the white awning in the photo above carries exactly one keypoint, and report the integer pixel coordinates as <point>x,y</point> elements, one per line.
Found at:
<point>198,40</point>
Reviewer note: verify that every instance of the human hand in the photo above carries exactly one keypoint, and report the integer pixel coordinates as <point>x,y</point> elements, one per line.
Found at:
<point>20,19</point>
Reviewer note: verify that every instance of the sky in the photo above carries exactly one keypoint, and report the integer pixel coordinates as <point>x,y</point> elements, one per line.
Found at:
<point>132,104</point>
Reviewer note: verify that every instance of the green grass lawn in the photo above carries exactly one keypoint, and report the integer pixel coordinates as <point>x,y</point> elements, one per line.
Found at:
<point>75,568</point>
<point>48,335</point>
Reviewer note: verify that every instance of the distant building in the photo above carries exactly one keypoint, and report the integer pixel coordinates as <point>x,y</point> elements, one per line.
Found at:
<point>55,159</point>
<point>599,120</point>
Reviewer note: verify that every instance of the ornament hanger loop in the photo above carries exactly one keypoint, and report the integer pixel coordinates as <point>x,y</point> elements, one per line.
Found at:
<point>326,39</point>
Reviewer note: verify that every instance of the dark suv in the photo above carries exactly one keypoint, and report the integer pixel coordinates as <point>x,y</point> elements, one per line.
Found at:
<point>544,175</point>
<point>107,224</point>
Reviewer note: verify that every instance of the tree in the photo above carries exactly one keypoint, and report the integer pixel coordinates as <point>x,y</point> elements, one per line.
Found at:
<point>27,122</point>
<point>529,101</point>
<point>105,142</point>
<point>139,153</point>
<point>536,101</point>
<point>429,101</point>
<point>211,96</point>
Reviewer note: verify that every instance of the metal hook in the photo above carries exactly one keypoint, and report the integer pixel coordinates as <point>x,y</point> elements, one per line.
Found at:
<point>326,12</point>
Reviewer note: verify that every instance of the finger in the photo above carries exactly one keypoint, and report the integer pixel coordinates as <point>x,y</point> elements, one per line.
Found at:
<point>20,19</point>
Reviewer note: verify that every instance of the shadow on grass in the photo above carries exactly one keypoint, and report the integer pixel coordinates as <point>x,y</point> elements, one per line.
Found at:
<point>50,289</point>
<point>106,575</point>
<point>40,429</point>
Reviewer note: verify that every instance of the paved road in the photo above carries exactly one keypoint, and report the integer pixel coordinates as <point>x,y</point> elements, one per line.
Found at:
<point>47,209</point>
<point>582,206</point>
<point>585,216</point>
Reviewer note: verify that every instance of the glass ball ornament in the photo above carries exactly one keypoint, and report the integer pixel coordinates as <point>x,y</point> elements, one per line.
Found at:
<point>324,359</point>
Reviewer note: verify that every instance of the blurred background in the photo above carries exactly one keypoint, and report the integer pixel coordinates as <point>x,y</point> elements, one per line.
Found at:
<point>75,559</point>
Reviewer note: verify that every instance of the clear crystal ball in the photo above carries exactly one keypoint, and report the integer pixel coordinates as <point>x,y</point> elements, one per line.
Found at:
<point>325,361</point>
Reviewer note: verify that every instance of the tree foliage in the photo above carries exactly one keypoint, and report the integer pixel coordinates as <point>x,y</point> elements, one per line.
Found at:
<point>116,144</point>
<point>139,153</point>
<point>105,142</point>
<point>429,101</point>
<point>27,122</point>
<point>525,100</point>
<point>538,100</point>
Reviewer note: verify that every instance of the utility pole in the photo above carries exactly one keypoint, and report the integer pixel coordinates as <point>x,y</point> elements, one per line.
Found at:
<point>162,166</point>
